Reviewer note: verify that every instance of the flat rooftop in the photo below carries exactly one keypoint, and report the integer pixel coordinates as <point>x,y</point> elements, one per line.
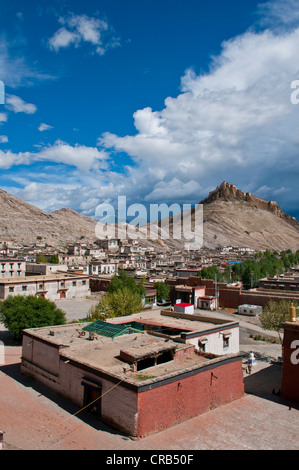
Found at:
<point>172,319</point>
<point>104,353</point>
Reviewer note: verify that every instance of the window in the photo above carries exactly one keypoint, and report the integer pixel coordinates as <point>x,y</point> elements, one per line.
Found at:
<point>11,289</point>
<point>202,344</point>
<point>226,337</point>
<point>74,283</point>
<point>24,288</point>
<point>83,283</point>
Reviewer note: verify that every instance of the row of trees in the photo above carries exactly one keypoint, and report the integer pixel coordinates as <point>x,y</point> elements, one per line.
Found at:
<point>251,270</point>
<point>42,259</point>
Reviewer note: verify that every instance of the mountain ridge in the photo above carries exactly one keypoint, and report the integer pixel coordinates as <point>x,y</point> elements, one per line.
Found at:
<point>231,217</point>
<point>228,191</point>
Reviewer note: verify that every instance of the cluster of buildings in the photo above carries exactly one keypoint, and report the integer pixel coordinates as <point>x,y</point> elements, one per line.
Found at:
<point>91,268</point>
<point>157,368</point>
<point>85,269</point>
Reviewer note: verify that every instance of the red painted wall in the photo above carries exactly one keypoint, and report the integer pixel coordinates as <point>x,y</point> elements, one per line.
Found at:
<point>183,399</point>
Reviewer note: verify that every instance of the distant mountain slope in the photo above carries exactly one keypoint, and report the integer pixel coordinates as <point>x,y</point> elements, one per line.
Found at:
<point>21,222</point>
<point>230,218</point>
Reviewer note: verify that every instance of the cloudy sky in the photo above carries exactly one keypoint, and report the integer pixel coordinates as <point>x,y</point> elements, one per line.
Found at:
<point>155,100</point>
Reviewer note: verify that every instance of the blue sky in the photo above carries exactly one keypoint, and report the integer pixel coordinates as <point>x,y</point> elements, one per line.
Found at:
<point>158,101</point>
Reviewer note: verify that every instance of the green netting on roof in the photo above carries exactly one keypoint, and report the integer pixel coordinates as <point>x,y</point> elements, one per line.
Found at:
<point>108,329</point>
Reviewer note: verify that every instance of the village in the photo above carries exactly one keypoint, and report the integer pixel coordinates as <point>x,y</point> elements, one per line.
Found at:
<point>86,270</point>
<point>191,341</point>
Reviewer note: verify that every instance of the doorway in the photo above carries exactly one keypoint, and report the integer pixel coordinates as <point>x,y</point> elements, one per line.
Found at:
<point>92,400</point>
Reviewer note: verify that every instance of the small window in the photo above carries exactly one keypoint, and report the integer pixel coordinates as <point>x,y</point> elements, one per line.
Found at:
<point>225,342</point>
<point>202,344</point>
<point>74,283</point>
<point>11,289</point>
<point>83,283</point>
<point>24,288</point>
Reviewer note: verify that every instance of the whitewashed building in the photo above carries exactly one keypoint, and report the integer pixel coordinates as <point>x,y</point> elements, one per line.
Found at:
<point>52,287</point>
<point>12,267</point>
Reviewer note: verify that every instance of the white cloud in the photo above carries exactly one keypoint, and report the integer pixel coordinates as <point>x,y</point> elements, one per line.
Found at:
<point>44,127</point>
<point>3,139</point>
<point>234,123</point>
<point>9,159</point>
<point>279,13</point>
<point>14,68</point>
<point>79,29</point>
<point>18,105</point>
<point>63,38</point>
<point>79,156</point>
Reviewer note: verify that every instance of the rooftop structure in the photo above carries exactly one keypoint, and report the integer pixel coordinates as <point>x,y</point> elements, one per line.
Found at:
<point>136,366</point>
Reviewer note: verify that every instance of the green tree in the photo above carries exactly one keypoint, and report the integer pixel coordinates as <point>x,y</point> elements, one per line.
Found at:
<point>211,272</point>
<point>119,303</point>
<point>123,281</point>
<point>274,315</point>
<point>19,312</point>
<point>41,258</point>
<point>163,290</point>
<point>54,259</point>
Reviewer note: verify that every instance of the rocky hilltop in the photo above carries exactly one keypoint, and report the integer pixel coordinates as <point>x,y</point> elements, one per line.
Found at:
<point>230,192</point>
<point>232,217</point>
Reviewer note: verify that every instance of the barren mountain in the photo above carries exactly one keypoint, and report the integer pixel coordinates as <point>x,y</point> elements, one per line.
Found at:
<point>26,224</point>
<point>230,218</point>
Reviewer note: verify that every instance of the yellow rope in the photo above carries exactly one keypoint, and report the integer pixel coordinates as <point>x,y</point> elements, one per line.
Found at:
<point>77,412</point>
